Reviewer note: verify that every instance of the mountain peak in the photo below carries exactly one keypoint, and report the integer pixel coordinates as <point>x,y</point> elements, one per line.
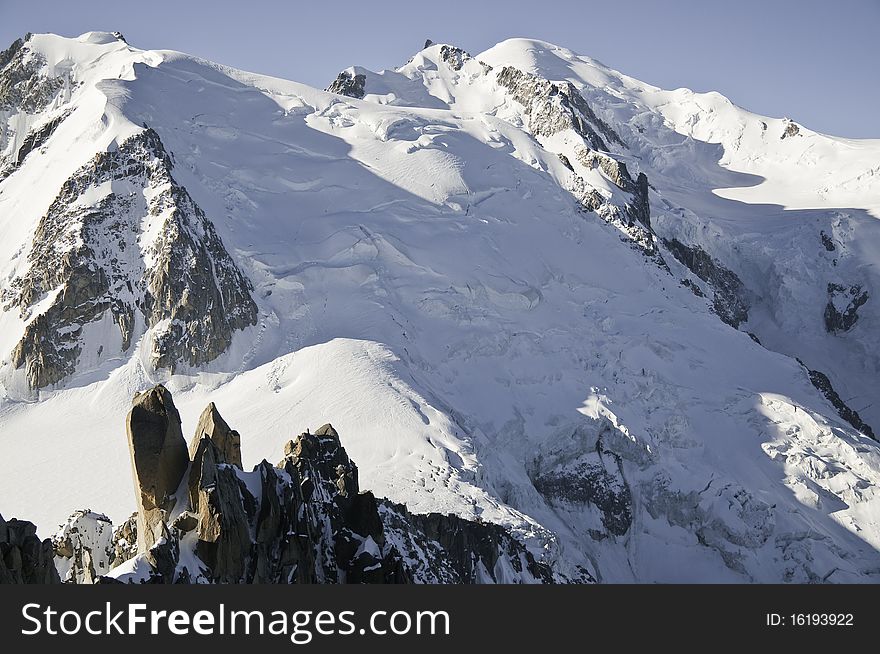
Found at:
<point>100,38</point>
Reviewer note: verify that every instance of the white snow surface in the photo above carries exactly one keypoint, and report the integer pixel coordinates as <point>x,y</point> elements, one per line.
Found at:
<point>427,285</point>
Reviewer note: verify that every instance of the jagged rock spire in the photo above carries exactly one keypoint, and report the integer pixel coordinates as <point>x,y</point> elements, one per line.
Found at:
<point>226,440</point>
<point>303,521</point>
<point>159,460</point>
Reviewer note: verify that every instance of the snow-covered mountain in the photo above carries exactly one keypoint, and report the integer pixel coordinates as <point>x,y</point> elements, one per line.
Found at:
<point>636,328</point>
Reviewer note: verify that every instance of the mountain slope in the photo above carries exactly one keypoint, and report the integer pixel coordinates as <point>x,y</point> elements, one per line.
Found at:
<point>504,278</point>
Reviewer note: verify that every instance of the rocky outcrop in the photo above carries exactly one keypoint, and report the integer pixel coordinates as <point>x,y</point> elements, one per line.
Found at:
<point>304,520</point>
<point>821,382</point>
<point>453,57</point>
<point>91,259</point>
<point>827,241</point>
<point>87,547</point>
<point>632,220</point>
<point>125,542</point>
<point>639,209</point>
<point>791,129</point>
<point>37,138</point>
<point>159,460</point>
<point>26,89</point>
<point>591,481</point>
<point>551,107</point>
<point>84,547</point>
<point>730,299</point>
<point>615,170</point>
<point>841,312</point>
<point>350,84</point>
<point>24,558</point>
<point>23,85</point>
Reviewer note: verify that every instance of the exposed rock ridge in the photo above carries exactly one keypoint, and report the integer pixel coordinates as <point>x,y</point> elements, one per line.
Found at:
<point>201,519</point>
<point>454,57</point>
<point>25,93</point>
<point>730,299</point>
<point>841,312</point>
<point>37,137</point>
<point>349,84</point>
<point>23,87</point>
<point>552,107</point>
<point>90,256</point>
<point>549,108</point>
<point>585,472</point>
<point>634,219</point>
<point>821,381</point>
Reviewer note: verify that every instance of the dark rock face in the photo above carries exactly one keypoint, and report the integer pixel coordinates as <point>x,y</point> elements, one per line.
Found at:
<point>639,209</point>
<point>841,312</point>
<point>36,138</point>
<point>349,84</point>
<point>821,381</point>
<point>469,549</point>
<point>303,521</point>
<point>696,290</point>
<point>552,107</point>
<point>24,558</point>
<point>10,53</point>
<point>159,460</point>
<point>730,300</point>
<point>186,286</point>
<point>565,161</point>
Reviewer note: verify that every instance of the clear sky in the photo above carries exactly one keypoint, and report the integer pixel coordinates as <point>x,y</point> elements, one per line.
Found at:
<point>817,61</point>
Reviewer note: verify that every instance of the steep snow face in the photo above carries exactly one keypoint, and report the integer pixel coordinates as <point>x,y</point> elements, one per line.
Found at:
<point>464,271</point>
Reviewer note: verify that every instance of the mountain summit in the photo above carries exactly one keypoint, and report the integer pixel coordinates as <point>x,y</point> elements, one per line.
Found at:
<point>635,328</point>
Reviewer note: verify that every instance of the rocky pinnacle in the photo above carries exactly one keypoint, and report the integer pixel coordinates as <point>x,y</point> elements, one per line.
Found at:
<point>159,460</point>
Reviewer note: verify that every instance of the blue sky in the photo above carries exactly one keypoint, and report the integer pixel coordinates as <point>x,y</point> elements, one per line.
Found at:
<point>815,61</point>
